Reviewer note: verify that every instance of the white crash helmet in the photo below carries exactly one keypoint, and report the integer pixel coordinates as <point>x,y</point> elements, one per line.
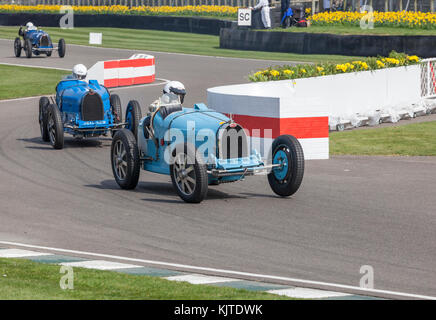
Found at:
<point>30,26</point>
<point>177,88</point>
<point>80,71</point>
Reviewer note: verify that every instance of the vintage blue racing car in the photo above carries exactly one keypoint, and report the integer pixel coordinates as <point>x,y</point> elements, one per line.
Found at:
<point>82,109</point>
<point>36,42</point>
<point>199,147</point>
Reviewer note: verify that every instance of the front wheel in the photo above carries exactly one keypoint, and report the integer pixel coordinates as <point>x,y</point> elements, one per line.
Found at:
<point>117,113</point>
<point>43,105</point>
<point>125,159</point>
<point>188,175</point>
<point>133,116</point>
<point>61,48</point>
<point>286,179</point>
<point>28,48</point>
<point>55,127</point>
<point>17,47</point>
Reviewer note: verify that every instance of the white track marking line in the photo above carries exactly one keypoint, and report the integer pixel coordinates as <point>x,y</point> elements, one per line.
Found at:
<point>199,279</point>
<point>32,66</point>
<point>305,293</point>
<point>19,253</point>
<point>100,265</point>
<point>230,272</point>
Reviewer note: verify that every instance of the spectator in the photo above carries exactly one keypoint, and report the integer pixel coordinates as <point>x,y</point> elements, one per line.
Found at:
<point>263,5</point>
<point>284,7</point>
<point>326,5</point>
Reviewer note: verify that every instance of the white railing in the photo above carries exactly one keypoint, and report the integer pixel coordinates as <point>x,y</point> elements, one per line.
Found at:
<point>428,78</point>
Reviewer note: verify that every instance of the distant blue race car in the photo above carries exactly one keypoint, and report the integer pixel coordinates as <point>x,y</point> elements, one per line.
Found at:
<point>198,147</point>
<point>81,109</point>
<point>37,42</point>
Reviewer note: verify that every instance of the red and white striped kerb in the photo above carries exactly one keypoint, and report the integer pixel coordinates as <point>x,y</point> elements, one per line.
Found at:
<point>139,69</point>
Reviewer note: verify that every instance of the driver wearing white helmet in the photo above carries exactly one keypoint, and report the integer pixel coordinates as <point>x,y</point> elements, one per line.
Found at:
<point>30,26</point>
<point>79,73</point>
<point>177,88</point>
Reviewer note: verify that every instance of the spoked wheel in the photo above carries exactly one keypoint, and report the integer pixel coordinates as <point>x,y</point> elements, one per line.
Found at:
<point>28,48</point>
<point>133,116</point>
<point>189,176</point>
<point>286,178</point>
<point>125,159</point>
<point>55,127</point>
<point>43,105</point>
<point>116,110</point>
<point>17,47</point>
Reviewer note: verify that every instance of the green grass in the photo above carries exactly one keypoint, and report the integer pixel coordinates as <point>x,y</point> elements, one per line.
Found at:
<point>418,139</point>
<point>357,30</point>
<point>167,41</point>
<point>23,279</point>
<point>18,82</point>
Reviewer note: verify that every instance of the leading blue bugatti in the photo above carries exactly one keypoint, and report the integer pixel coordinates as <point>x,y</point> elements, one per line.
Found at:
<point>36,42</point>
<point>199,147</point>
<point>80,108</point>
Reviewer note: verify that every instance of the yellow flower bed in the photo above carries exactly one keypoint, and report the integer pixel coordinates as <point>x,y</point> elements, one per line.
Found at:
<point>408,19</point>
<point>219,11</point>
<point>315,70</point>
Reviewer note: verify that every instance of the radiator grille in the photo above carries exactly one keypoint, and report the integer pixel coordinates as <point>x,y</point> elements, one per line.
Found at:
<point>44,42</point>
<point>232,142</point>
<point>92,107</point>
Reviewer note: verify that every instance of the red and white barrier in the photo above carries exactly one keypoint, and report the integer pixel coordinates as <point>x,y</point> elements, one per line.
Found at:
<point>138,69</point>
<point>270,109</point>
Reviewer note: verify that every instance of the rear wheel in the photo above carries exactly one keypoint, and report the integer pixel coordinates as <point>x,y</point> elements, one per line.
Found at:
<point>17,47</point>
<point>286,179</point>
<point>43,105</point>
<point>133,116</point>
<point>125,159</point>
<point>61,48</point>
<point>189,175</point>
<point>116,110</point>
<point>55,127</point>
<point>28,48</point>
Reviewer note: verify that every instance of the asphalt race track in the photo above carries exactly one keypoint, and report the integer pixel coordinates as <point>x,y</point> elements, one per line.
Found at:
<point>349,212</point>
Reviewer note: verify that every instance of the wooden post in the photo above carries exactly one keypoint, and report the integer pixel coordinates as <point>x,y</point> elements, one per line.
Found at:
<point>313,6</point>
<point>432,5</point>
<point>416,5</point>
<point>345,5</point>
<point>386,5</point>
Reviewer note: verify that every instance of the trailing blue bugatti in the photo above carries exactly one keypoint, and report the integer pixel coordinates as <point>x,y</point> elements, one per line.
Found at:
<point>36,42</point>
<point>82,109</point>
<point>199,147</point>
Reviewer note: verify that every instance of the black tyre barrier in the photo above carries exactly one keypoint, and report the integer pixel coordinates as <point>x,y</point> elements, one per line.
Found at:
<point>166,23</point>
<point>317,43</point>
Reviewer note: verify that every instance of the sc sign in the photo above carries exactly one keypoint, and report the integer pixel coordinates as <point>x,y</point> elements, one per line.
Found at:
<point>244,17</point>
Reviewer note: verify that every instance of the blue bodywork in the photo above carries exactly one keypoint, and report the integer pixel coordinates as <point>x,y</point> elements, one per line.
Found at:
<point>35,37</point>
<point>197,125</point>
<point>69,98</point>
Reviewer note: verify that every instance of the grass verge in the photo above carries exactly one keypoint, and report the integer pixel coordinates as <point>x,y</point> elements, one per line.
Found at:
<point>416,139</point>
<point>167,41</point>
<point>23,279</point>
<point>357,30</point>
<point>18,82</point>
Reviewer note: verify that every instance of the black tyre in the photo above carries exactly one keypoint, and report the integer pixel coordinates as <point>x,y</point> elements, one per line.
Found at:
<point>133,116</point>
<point>48,53</point>
<point>125,159</point>
<point>28,48</point>
<point>117,112</point>
<point>188,174</point>
<point>17,47</point>
<point>43,106</point>
<point>61,48</point>
<point>55,127</point>
<point>286,180</point>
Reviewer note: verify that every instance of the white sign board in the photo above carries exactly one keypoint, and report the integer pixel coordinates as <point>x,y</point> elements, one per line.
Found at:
<point>95,38</point>
<point>244,17</point>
